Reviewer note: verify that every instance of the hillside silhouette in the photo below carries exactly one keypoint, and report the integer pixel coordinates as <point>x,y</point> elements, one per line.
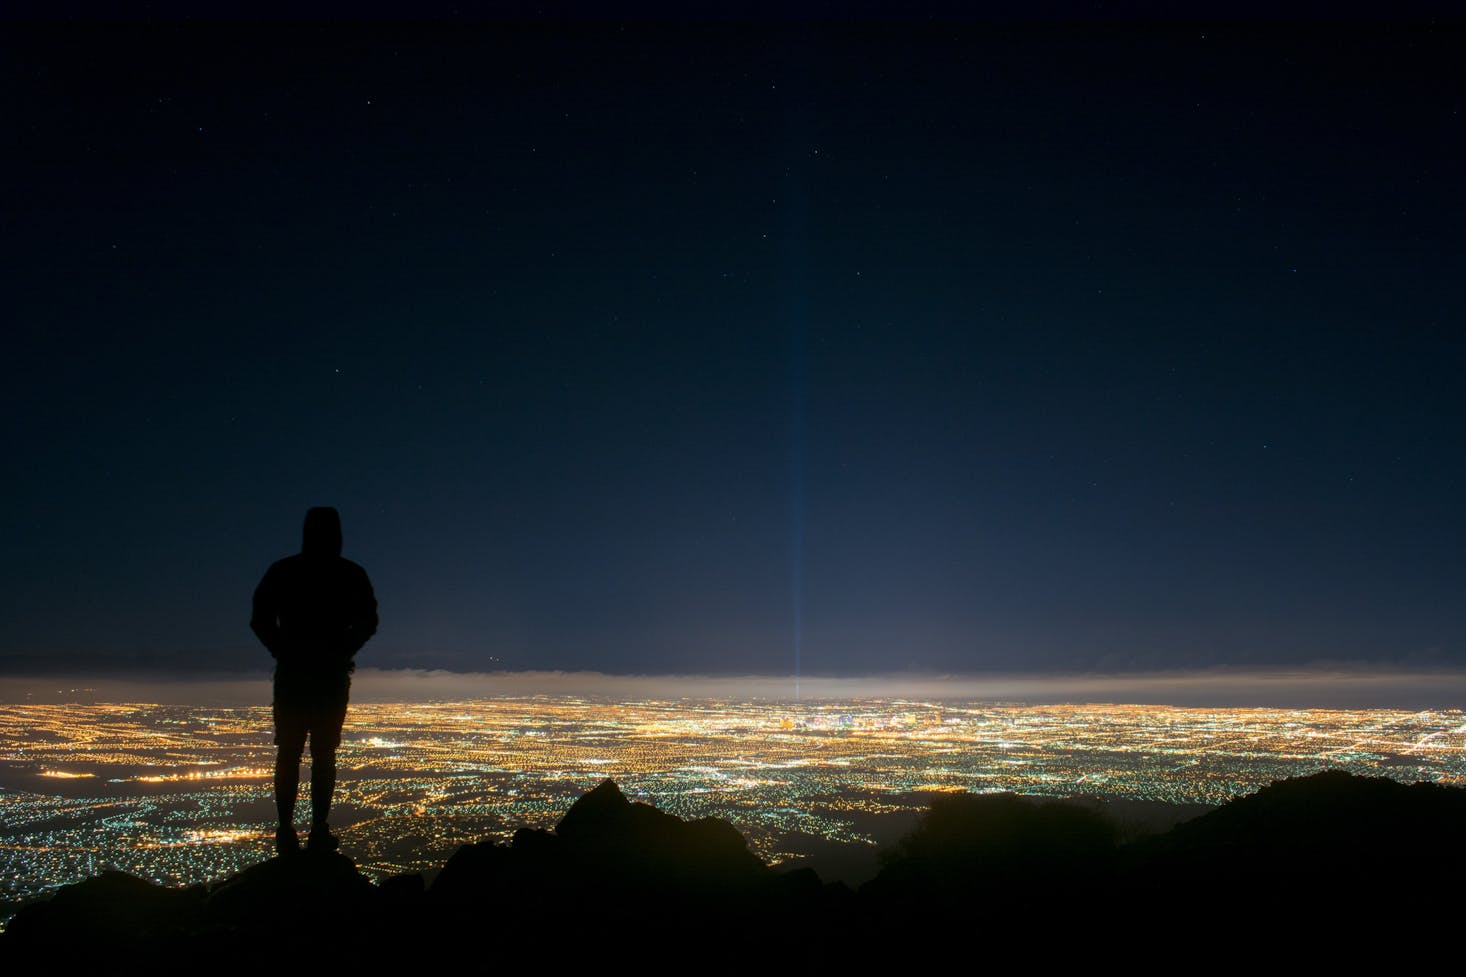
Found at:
<point>1297,854</point>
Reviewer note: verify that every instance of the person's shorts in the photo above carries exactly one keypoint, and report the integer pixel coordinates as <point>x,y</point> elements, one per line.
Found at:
<point>313,707</point>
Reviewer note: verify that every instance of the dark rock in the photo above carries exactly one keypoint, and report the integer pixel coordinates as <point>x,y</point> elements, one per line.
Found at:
<point>108,912</point>
<point>1317,844</point>
<point>605,823</point>
<point>984,839</point>
<point>402,890</point>
<point>318,889</point>
<point>1305,852</point>
<point>598,811</point>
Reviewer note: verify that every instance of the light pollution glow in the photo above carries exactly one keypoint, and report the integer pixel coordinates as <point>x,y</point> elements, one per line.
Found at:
<point>1322,686</point>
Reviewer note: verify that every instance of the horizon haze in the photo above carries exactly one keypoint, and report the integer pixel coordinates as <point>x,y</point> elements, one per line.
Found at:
<point>1329,686</point>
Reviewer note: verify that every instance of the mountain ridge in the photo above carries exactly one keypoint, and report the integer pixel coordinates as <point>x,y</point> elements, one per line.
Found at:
<point>613,868</point>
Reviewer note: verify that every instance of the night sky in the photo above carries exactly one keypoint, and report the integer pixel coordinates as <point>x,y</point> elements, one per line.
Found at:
<point>879,346</point>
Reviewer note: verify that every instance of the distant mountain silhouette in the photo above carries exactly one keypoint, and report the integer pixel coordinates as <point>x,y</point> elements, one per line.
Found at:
<point>974,851</point>
<point>1309,824</point>
<point>605,845</point>
<point>112,913</point>
<point>998,868</point>
<point>1314,850</point>
<point>612,866</point>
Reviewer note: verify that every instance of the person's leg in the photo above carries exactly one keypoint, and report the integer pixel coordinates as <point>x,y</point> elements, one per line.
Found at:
<point>287,782</point>
<point>325,738</point>
<point>290,738</point>
<point>323,779</point>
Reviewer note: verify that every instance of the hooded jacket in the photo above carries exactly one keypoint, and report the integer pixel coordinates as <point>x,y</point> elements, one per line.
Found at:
<point>315,610</point>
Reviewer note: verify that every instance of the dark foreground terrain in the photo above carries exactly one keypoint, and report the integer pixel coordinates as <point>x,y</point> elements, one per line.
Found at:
<point>1330,867</point>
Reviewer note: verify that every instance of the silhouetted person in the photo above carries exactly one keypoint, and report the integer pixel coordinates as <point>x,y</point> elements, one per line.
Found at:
<point>313,611</point>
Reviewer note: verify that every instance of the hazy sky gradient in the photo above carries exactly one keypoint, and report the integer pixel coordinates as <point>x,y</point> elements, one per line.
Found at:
<point>939,347</point>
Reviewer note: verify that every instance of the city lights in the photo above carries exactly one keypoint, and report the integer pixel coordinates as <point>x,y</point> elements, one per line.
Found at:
<point>182,795</point>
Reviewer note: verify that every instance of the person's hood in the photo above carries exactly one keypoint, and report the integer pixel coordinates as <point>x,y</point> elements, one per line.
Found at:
<point>322,535</point>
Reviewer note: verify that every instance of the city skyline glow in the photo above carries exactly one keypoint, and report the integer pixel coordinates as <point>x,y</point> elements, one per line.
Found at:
<point>1324,685</point>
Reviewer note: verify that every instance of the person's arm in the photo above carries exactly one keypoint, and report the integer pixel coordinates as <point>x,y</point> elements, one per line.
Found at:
<point>364,616</point>
<point>265,619</point>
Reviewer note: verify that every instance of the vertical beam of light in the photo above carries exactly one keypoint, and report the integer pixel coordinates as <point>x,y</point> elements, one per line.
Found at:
<point>796,313</point>
<point>796,491</point>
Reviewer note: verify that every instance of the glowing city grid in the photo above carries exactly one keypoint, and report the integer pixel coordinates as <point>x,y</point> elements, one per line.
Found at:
<point>183,794</point>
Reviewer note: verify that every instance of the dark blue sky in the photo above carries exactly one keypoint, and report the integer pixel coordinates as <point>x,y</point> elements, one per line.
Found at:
<point>648,348</point>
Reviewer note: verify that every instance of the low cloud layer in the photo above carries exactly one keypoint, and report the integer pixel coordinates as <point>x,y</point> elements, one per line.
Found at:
<point>1318,687</point>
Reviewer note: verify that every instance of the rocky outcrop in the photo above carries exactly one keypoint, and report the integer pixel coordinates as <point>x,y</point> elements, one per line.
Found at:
<point>1010,871</point>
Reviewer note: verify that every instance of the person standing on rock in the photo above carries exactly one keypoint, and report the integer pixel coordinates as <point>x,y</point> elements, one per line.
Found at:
<point>313,611</point>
